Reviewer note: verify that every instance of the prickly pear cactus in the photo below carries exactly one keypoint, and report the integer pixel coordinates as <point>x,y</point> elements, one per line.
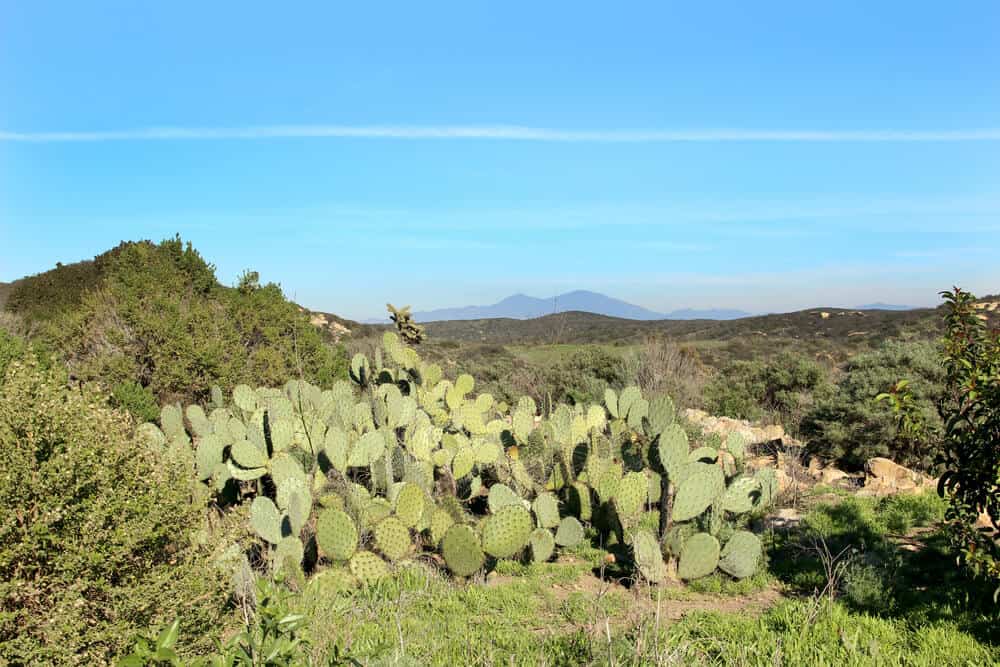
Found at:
<point>546,508</point>
<point>392,538</point>
<point>400,459</point>
<point>368,567</point>
<point>699,557</point>
<point>741,555</point>
<point>703,483</point>
<point>631,495</point>
<point>543,545</point>
<point>336,534</point>
<point>569,533</point>
<point>507,532</point>
<point>409,505</point>
<point>265,519</point>
<point>461,551</point>
<point>649,560</point>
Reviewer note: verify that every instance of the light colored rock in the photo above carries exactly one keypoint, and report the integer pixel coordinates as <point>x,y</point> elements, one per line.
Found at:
<point>832,475</point>
<point>723,426</point>
<point>783,518</point>
<point>773,432</point>
<point>885,477</point>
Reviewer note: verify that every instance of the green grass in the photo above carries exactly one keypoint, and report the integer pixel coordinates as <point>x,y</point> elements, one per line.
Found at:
<point>562,614</point>
<point>417,617</point>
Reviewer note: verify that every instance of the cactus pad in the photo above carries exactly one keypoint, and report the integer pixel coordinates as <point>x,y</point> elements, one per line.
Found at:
<point>265,519</point>
<point>768,479</point>
<point>289,552</point>
<point>500,496</point>
<point>569,533</point>
<point>244,398</point>
<point>736,444</point>
<point>462,464</point>
<point>631,495</point>
<point>441,521</point>
<point>741,555</point>
<point>409,504</point>
<point>507,531</point>
<point>579,501</point>
<point>704,454</point>
<point>172,422</point>
<point>461,550</point>
<point>392,538</point>
<point>542,545</point>
<point>672,449</point>
<point>368,567</point>
<point>336,534</point>
<point>208,455</point>
<point>199,422</point>
<point>703,483</point>
<point>741,495</point>
<point>699,557</point>
<point>546,508</point>
<point>661,414</point>
<point>649,560</point>
<point>247,455</point>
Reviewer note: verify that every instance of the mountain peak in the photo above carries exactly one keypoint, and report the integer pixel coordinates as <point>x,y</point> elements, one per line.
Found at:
<point>521,307</point>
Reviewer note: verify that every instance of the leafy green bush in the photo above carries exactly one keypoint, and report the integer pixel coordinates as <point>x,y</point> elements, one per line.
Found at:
<point>158,317</point>
<point>93,528</point>
<point>783,387</point>
<point>847,425</point>
<point>273,635</point>
<point>16,348</point>
<point>971,452</point>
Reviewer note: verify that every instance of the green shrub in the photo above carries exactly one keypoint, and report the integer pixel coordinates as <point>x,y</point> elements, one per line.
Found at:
<point>850,427</point>
<point>136,400</point>
<point>783,387</point>
<point>158,317</point>
<point>93,528</point>
<point>867,585</point>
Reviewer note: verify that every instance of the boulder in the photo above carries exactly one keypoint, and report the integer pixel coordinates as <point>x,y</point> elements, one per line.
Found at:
<point>884,477</point>
<point>832,475</point>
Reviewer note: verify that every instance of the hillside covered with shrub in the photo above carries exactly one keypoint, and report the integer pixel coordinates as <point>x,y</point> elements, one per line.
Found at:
<point>151,322</point>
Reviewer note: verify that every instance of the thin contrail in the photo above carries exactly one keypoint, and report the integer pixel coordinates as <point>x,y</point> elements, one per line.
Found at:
<point>500,132</point>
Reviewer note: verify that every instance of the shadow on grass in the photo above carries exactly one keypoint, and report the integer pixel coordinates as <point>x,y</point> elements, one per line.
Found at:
<point>914,579</point>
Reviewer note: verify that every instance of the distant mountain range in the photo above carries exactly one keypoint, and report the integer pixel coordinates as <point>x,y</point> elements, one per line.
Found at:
<point>523,307</point>
<point>885,306</point>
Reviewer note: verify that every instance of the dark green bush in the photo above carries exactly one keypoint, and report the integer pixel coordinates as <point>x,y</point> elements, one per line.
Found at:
<point>93,528</point>
<point>971,450</point>
<point>158,318</point>
<point>849,426</point>
<point>136,400</point>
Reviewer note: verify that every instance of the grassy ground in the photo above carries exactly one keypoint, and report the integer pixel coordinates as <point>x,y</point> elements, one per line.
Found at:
<point>554,354</point>
<point>898,601</point>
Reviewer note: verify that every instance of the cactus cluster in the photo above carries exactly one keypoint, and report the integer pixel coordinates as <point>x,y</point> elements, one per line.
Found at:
<point>400,461</point>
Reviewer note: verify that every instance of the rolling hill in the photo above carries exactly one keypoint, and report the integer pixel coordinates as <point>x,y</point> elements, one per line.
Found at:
<point>523,307</point>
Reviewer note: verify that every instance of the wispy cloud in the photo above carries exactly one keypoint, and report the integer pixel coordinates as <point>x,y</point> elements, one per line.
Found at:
<point>500,132</point>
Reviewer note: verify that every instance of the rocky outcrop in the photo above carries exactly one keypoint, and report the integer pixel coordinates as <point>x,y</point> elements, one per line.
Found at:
<point>755,433</point>
<point>336,329</point>
<point>884,477</point>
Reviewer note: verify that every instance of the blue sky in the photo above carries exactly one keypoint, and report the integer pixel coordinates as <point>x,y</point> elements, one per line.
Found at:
<point>765,156</point>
